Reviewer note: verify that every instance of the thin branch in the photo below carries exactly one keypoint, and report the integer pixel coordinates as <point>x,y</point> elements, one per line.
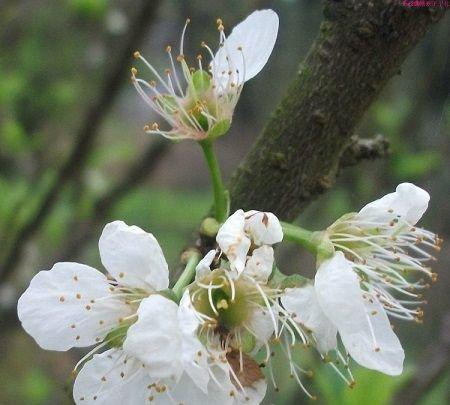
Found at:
<point>83,232</point>
<point>85,137</point>
<point>364,149</point>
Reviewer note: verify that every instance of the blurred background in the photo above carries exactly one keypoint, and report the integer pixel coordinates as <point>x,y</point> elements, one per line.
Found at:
<point>73,156</point>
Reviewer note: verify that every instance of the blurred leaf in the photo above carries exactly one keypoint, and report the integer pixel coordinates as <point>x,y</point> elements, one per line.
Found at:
<point>364,391</point>
<point>94,9</point>
<point>13,139</point>
<point>414,165</point>
<point>37,387</point>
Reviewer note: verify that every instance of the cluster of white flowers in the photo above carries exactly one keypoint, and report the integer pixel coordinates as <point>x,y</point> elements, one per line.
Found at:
<point>197,342</point>
<point>151,348</point>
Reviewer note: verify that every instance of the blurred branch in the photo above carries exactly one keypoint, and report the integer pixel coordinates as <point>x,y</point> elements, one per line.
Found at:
<point>360,46</point>
<point>82,232</point>
<point>433,365</point>
<point>85,137</point>
<point>364,149</point>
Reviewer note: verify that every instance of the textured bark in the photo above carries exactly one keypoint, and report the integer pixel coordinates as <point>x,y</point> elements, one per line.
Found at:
<point>360,46</point>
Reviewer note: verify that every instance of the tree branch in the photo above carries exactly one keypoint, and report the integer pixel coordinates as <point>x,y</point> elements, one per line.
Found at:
<point>364,149</point>
<point>360,46</point>
<point>85,137</point>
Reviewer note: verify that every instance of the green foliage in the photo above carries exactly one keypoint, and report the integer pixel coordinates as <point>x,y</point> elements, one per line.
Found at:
<point>37,387</point>
<point>372,388</point>
<point>416,165</point>
<point>93,9</point>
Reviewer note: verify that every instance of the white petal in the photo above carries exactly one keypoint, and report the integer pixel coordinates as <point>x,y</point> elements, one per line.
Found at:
<point>253,395</point>
<point>194,356</point>
<point>408,201</point>
<point>155,339</point>
<point>233,241</point>
<point>70,305</point>
<point>259,265</point>
<point>303,303</point>
<point>261,325</point>
<point>369,339</point>
<point>187,392</point>
<point>203,266</point>
<point>133,257</point>
<point>112,378</point>
<point>256,35</point>
<point>264,228</point>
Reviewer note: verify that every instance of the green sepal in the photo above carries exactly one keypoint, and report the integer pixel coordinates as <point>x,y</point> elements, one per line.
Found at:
<point>294,281</point>
<point>219,128</point>
<point>280,280</point>
<point>117,336</point>
<point>169,294</point>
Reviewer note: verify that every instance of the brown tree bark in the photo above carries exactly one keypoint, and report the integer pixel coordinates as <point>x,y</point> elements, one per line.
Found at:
<point>360,46</point>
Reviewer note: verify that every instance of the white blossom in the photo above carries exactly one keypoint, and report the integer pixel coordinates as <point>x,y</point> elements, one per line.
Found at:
<point>199,103</point>
<point>244,230</point>
<point>74,305</point>
<point>388,251</point>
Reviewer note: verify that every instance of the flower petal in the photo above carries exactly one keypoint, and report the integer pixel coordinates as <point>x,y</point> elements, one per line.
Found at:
<point>408,201</point>
<point>303,303</point>
<point>112,378</point>
<point>261,325</point>
<point>194,356</point>
<point>368,338</point>
<point>203,266</point>
<point>155,339</point>
<point>256,36</point>
<point>133,257</point>
<point>264,228</point>
<point>71,305</point>
<point>259,265</point>
<point>233,241</point>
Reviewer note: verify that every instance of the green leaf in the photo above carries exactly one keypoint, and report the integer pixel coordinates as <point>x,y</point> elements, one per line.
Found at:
<point>219,129</point>
<point>415,165</point>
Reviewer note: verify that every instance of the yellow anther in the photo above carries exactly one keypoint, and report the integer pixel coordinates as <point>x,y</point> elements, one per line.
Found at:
<point>180,58</point>
<point>168,49</point>
<point>188,20</point>
<point>155,126</point>
<point>134,71</point>
<point>136,55</point>
<point>219,21</point>
<point>199,57</point>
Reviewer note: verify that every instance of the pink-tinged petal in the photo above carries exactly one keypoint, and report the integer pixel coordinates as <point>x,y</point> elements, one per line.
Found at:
<point>259,265</point>
<point>264,228</point>
<point>71,305</point>
<point>232,240</point>
<point>133,257</point>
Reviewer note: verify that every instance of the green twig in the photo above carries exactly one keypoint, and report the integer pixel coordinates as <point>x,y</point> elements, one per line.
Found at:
<point>300,236</point>
<point>187,275</point>
<point>221,195</point>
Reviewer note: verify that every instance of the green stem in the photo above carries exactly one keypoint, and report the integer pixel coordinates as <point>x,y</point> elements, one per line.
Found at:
<point>187,276</point>
<point>303,237</point>
<point>221,196</point>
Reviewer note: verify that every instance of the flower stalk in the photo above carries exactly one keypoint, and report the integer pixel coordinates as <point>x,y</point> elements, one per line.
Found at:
<point>301,236</point>
<point>188,274</point>
<point>221,195</point>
